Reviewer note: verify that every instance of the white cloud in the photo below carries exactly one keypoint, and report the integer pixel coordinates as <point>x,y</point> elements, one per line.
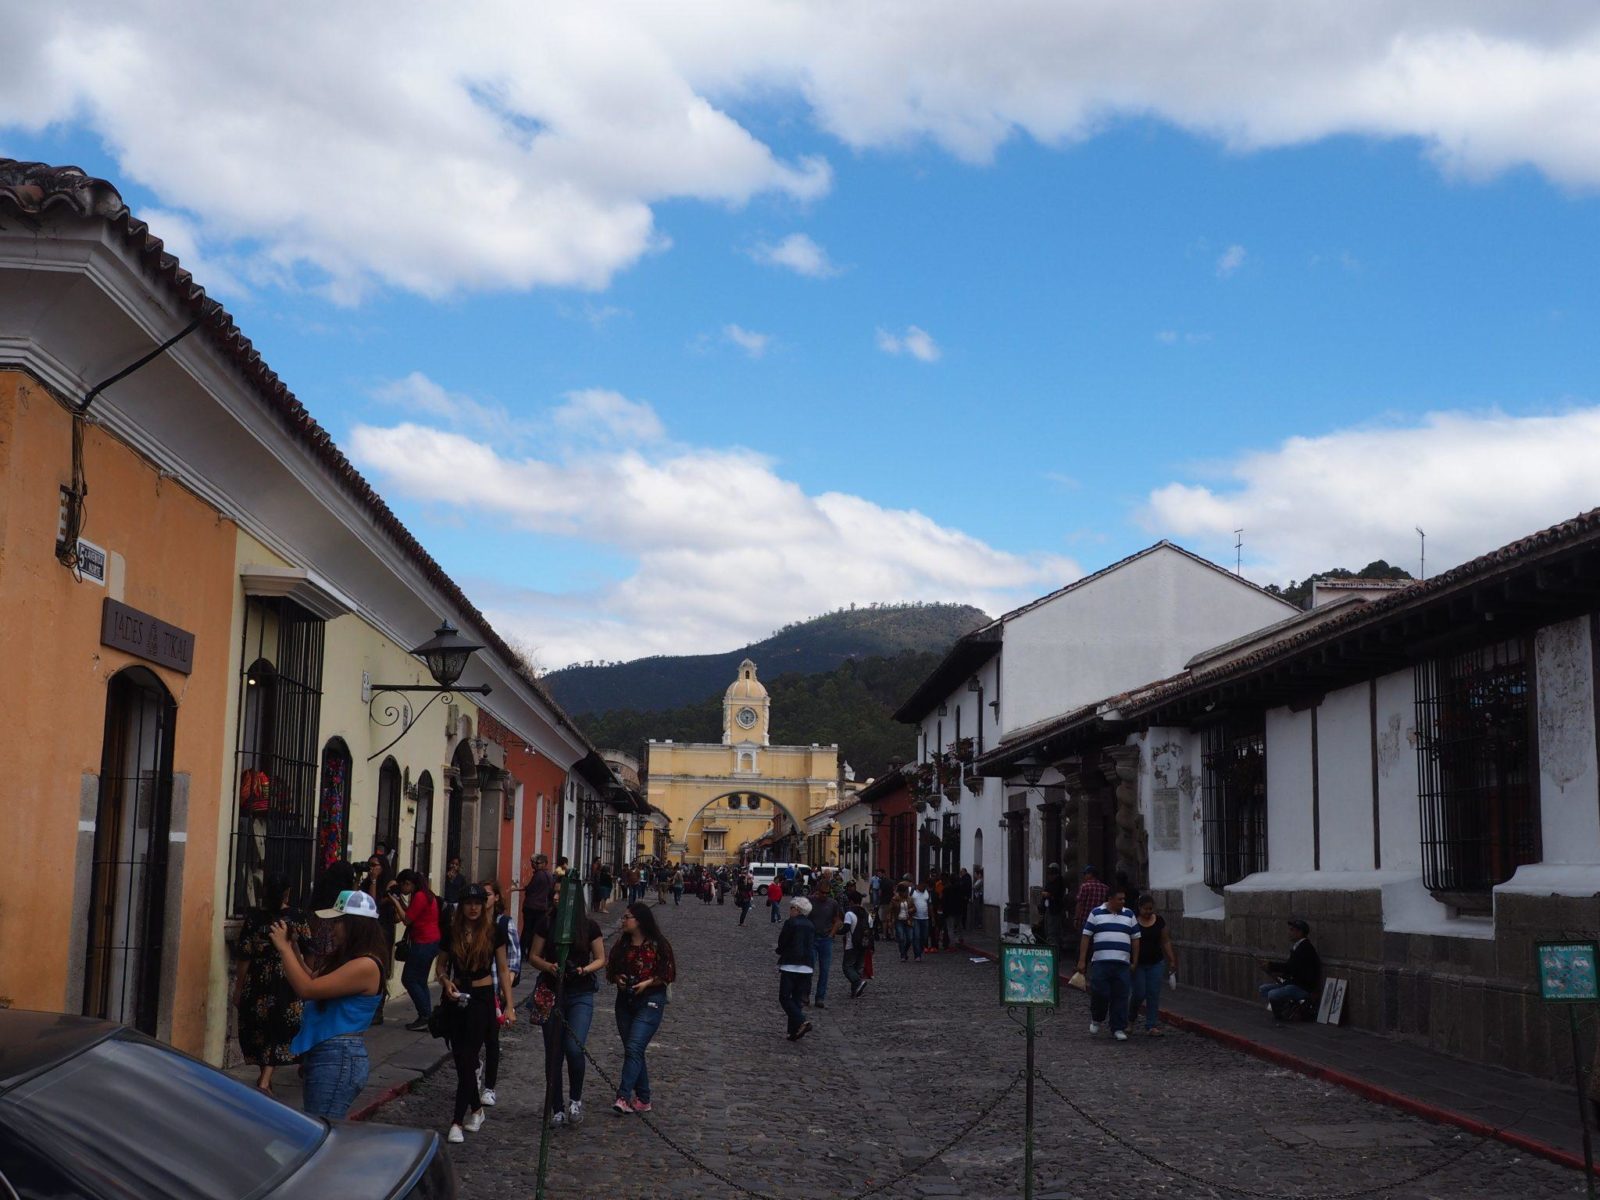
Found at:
<point>752,343</point>
<point>418,394</point>
<point>798,253</point>
<point>498,145</point>
<point>607,415</point>
<point>1230,260</point>
<point>723,548</point>
<point>916,342</point>
<point>1171,337</point>
<point>1473,481</point>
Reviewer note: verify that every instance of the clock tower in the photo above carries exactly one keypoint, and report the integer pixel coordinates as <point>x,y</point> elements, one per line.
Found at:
<point>746,710</point>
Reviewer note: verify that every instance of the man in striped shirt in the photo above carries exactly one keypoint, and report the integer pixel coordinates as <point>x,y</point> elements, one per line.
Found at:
<point>1106,950</point>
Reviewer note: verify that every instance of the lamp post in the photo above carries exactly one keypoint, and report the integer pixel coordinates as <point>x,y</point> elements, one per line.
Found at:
<point>445,654</point>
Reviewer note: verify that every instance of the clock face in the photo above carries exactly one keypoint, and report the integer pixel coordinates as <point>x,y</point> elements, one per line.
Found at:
<point>746,718</point>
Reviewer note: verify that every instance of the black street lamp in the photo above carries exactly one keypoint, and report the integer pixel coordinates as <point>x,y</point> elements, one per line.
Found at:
<point>445,654</point>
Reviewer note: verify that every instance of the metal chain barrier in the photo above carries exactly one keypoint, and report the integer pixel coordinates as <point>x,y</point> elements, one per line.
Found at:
<point>1218,1185</point>
<point>696,1161</point>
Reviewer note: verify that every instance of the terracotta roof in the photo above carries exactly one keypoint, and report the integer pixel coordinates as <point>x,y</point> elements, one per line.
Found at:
<point>31,189</point>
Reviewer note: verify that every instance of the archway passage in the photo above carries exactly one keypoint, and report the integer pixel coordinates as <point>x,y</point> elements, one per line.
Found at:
<point>127,905</point>
<point>742,824</point>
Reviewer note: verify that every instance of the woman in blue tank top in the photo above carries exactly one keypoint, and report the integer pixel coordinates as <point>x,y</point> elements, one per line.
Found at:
<point>339,1003</point>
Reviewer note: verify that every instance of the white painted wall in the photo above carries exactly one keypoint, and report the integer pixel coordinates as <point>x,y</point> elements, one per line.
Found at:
<point>1344,777</point>
<point>1170,761</point>
<point>1399,816</point>
<point>1569,797</point>
<point>1136,624</point>
<point>1288,790</point>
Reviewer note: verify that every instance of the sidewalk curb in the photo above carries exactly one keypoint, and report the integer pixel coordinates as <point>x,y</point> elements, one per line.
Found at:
<point>1362,1087</point>
<point>368,1110</point>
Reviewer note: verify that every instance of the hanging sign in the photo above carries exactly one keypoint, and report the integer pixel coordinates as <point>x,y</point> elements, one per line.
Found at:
<point>1028,975</point>
<point>146,637</point>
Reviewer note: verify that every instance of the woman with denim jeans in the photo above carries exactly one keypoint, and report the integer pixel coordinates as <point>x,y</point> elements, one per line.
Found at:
<point>417,909</point>
<point>338,1004</point>
<point>642,966</point>
<point>1155,958</point>
<point>572,1017</point>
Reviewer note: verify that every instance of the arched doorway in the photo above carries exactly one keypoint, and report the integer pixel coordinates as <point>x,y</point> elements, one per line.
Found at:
<point>461,790</point>
<point>128,887</point>
<point>333,805</point>
<point>387,829</point>
<point>723,826</point>
<point>422,838</point>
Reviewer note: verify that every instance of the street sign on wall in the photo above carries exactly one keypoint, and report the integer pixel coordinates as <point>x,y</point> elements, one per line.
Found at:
<point>1567,971</point>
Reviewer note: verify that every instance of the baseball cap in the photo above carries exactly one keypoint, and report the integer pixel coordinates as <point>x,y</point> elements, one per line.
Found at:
<point>351,904</point>
<point>475,893</point>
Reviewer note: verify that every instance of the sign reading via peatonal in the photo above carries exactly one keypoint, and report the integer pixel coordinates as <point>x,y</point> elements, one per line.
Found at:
<point>1567,971</point>
<point>1028,975</point>
<point>140,634</point>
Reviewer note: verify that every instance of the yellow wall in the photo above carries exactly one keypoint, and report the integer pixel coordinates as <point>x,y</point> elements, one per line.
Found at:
<point>172,557</point>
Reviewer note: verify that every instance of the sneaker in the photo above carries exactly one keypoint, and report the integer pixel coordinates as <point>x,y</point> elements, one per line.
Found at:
<point>487,1096</point>
<point>575,1113</point>
<point>641,1106</point>
<point>1119,1035</point>
<point>418,1026</point>
<point>858,989</point>
<point>1094,1026</point>
<point>557,1118</point>
<point>802,1031</point>
<point>455,1136</point>
<point>474,1121</point>
<point>622,1108</point>
<point>822,1004</point>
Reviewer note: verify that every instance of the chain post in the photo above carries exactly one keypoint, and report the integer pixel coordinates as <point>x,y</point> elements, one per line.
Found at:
<point>1583,1103</point>
<point>1027,1145</point>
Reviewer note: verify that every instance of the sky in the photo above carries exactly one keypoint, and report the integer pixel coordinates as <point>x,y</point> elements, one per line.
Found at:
<point>663,325</point>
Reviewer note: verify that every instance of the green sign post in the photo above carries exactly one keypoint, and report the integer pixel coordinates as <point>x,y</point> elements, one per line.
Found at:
<point>1568,975</point>
<point>1028,981</point>
<point>561,925</point>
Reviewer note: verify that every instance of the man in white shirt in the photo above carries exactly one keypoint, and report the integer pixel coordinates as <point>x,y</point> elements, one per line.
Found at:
<point>921,912</point>
<point>1106,948</point>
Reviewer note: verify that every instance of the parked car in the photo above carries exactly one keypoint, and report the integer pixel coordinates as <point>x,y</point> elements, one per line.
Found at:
<point>92,1110</point>
<point>765,872</point>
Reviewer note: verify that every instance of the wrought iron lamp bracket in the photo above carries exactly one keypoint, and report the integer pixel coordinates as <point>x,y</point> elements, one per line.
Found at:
<point>392,711</point>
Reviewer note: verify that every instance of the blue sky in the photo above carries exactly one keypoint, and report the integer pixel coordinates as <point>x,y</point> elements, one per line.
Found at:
<point>1148,327</point>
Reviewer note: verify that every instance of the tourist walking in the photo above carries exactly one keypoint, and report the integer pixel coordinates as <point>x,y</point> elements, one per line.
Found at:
<point>677,887</point>
<point>796,951</point>
<point>380,884</point>
<point>827,915</point>
<point>566,1028</point>
<point>337,1006</point>
<point>269,1010</point>
<point>922,914</point>
<point>774,902</point>
<point>505,935</point>
<point>1091,894</point>
<point>857,941</point>
<point>744,895</point>
<point>975,900</point>
<point>960,896</point>
<point>468,968</point>
<point>1156,958</point>
<point>535,896</point>
<point>417,909</point>
<point>1106,950</point>
<point>904,913</point>
<point>643,968</point>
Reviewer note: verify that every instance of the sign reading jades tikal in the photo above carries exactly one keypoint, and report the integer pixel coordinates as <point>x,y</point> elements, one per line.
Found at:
<point>1028,975</point>
<point>1567,971</point>
<point>138,633</point>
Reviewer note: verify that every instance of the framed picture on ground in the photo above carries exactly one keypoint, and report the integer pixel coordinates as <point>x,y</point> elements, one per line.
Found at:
<point>1330,1009</point>
<point>1028,975</point>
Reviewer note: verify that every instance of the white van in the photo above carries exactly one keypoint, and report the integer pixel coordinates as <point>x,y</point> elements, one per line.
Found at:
<point>765,872</point>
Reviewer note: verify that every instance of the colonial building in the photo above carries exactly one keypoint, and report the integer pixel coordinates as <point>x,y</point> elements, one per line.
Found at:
<point>1415,771</point>
<point>721,796</point>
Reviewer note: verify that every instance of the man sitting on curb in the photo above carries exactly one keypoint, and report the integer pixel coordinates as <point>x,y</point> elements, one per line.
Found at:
<point>1298,978</point>
<point>1111,933</point>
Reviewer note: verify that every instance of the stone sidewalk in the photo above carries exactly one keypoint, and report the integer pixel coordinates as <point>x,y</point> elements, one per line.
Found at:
<point>1531,1114</point>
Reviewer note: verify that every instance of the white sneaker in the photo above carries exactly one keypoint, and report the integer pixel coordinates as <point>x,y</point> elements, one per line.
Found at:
<point>455,1136</point>
<point>557,1118</point>
<point>474,1121</point>
<point>487,1096</point>
<point>1094,1026</point>
<point>1120,1036</point>
<point>575,1112</point>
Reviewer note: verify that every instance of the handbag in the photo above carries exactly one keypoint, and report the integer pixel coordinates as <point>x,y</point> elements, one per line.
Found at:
<point>402,952</point>
<point>443,1019</point>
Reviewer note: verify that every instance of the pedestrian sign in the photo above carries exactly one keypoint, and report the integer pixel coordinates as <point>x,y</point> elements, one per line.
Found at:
<point>1567,971</point>
<point>1028,975</point>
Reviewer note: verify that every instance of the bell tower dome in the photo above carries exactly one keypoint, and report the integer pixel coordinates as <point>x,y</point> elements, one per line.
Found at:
<point>746,710</point>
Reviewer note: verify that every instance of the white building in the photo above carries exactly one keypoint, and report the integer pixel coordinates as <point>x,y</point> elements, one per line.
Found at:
<point>1417,774</point>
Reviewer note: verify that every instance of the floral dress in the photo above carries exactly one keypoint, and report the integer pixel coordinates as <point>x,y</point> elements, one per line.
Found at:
<point>269,1011</point>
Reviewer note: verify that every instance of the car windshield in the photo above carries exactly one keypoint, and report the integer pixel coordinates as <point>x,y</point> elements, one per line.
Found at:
<point>146,1121</point>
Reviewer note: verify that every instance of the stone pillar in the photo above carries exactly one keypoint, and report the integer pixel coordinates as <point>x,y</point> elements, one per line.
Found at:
<point>1133,854</point>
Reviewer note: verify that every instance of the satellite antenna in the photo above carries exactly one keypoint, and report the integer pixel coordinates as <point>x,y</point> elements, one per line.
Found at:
<point>1422,569</point>
<point>1238,551</point>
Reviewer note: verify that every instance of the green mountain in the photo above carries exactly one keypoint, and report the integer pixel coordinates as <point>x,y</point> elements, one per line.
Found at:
<point>807,647</point>
<point>852,705</point>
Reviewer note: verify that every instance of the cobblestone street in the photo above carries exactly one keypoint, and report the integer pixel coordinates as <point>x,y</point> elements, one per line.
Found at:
<point>885,1080</point>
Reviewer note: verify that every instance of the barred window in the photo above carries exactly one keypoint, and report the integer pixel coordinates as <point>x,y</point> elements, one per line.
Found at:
<point>276,764</point>
<point>422,839</point>
<point>387,829</point>
<point>1480,812</point>
<point>1235,793</point>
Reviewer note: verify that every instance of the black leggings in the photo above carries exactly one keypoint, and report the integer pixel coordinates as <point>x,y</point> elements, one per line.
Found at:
<point>465,1047</point>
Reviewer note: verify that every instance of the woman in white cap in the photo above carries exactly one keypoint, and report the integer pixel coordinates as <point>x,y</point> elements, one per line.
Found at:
<point>339,1002</point>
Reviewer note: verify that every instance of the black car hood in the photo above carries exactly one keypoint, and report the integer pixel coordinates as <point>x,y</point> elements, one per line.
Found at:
<point>361,1161</point>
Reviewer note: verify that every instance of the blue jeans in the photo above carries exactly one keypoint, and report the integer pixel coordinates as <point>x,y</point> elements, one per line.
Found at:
<point>902,936</point>
<point>920,939</point>
<point>414,976</point>
<point>1108,990</point>
<point>336,1071</point>
<point>1147,992</point>
<point>1279,994</point>
<point>773,909</point>
<point>677,895</point>
<point>577,1014</point>
<point>638,1018</point>
<point>822,960</point>
<point>792,988</point>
